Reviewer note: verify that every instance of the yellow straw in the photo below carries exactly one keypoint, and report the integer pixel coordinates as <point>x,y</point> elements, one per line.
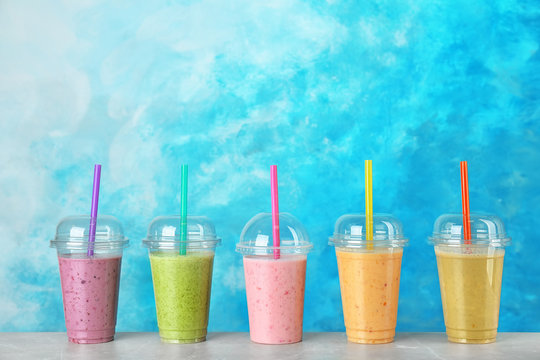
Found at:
<point>369,205</point>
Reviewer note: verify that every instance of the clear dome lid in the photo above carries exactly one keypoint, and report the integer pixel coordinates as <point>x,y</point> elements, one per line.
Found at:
<point>257,236</point>
<point>72,233</point>
<point>485,230</point>
<point>350,231</point>
<point>164,233</point>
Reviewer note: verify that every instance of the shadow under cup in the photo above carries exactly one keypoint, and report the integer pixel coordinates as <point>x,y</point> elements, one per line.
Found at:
<point>90,276</point>
<point>369,275</point>
<point>470,276</point>
<point>182,276</point>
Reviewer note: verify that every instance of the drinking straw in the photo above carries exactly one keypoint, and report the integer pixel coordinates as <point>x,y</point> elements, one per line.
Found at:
<point>465,203</point>
<point>183,210</point>
<point>369,204</point>
<point>275,209</point>
<point>93,211</point>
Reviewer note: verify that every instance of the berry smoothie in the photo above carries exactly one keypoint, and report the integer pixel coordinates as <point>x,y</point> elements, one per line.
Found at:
<point>182,285</point>
<point>275,298</point>
<point>90,293</point>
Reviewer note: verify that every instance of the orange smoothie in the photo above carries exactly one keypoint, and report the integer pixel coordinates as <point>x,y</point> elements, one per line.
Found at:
<point>369,281</point>
<point>470,291</point>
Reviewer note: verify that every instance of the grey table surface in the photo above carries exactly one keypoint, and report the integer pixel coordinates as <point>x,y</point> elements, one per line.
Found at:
<point>229,345</point>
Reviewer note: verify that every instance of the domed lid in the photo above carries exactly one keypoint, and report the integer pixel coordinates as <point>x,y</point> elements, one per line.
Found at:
<point>72,233</point>
<point>485,230</point>
<point>164,233</point>
<point>257,238</point>
<point>350,231</point>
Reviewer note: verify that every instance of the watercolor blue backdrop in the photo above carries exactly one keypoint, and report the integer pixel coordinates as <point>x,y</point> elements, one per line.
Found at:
<point>231,87</point>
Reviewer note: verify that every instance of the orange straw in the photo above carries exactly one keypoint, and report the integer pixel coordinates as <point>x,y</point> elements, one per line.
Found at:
<point>465,203</point>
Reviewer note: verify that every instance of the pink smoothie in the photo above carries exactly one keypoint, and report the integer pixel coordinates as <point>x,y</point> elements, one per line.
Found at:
<point>90,291</point>
<point>275,298</point>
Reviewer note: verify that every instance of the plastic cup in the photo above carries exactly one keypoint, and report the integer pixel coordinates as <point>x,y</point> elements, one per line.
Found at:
<point>275,287</point>
<point>182,283</point>
<point>369,274</point>
<point>90,283</point>
<point>470,275</point>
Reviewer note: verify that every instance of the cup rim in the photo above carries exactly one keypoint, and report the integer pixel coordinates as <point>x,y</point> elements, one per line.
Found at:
<point>173,242</point>
<point>497,241</point>
<point>82,243</point>
<point>347,241</point>
<point>303,248</point>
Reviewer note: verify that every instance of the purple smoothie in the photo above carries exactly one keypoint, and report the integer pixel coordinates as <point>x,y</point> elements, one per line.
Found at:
<point>90,293</point>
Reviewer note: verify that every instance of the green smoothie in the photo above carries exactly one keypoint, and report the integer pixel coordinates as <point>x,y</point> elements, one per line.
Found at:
<point>182,290</point>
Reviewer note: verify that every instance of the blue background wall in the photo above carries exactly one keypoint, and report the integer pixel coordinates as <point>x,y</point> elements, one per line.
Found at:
<point>232,87</point>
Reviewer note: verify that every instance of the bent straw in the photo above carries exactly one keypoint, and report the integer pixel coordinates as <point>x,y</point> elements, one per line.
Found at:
<point>369,204</point>
<point>183,210</point>
<point>275,209</point>
<point>465,203</point>
<point>93,211</point>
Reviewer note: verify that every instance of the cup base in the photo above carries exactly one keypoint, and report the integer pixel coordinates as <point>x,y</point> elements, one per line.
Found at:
<point>370,341</point>
<point>471,336</point>
<point>183,341</point>
<point>90,341</point>
<point>182,336</point>
<point>370,336</point>
<point>262,342</point>
<point>90,336</point>
<point>471,341</point>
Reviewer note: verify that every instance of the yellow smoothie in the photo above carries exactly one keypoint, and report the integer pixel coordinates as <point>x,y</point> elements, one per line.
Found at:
<point>470,280</point>
<point>369,281</point>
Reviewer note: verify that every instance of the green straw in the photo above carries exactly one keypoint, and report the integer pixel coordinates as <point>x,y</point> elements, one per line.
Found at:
<point>183,211</point>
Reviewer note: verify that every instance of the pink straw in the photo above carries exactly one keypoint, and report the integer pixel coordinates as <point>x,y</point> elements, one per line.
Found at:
<point>93,211</point>
<point>275,210</point>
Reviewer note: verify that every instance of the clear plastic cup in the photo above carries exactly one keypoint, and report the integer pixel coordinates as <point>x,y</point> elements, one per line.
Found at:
<point>182,283</point>
<point>470,275</point>
<point>369,273</point>
<point>90,283</point>
<point>275,287</point>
